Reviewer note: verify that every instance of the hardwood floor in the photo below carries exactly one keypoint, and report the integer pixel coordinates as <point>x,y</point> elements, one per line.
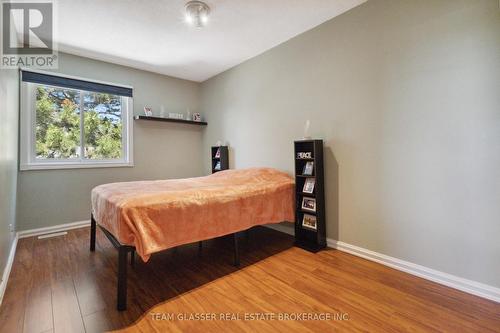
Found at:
<point>57,285</point>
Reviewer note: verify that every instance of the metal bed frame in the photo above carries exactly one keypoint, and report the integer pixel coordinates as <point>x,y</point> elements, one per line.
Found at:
<point>124,250</point>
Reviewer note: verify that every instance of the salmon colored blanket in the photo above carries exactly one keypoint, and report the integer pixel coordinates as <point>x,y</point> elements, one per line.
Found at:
<point>157,215</point>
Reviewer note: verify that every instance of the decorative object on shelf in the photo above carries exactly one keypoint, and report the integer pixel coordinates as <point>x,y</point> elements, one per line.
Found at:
<point>196,116</point>
<point>309,185</point>
<point>304,155</point>
<point>307,125</point>
<point>171,120</point>
<point>148,111</point>
<point>308,169</point>
<point>162,111</point>
<point>174,115</point>
<point>220,158</point>
<point>309,204</point>
<point>310,223</point>
<point>188,114</point>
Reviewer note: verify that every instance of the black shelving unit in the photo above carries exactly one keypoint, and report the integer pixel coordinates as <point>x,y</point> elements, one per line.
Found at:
<point>309,236</point>
<point>171,120</point>
<point>223,158</point>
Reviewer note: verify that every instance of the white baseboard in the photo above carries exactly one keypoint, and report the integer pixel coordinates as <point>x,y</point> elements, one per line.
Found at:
<point>468,286</point>
<point>52,229</point>
<point>449,280</point>
<point>7,269</point>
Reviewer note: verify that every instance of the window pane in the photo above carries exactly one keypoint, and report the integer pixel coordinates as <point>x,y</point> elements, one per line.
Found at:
<point>102,126</point>
<point>57,129</point>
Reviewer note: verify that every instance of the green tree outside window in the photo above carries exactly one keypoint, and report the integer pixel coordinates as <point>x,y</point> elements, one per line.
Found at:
<point>58,116</point>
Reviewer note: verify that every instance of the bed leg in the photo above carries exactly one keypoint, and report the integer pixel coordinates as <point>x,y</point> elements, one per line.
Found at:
<point>121,303</point>
<point>236,251</point>
<point>132,258</point>
<point>93,226</point>
<point>200,248</point>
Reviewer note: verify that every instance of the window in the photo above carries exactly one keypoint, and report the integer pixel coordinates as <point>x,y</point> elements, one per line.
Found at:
<point>74,123</point>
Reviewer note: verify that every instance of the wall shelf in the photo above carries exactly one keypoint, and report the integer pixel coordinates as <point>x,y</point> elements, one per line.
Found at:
<point>171,120</point>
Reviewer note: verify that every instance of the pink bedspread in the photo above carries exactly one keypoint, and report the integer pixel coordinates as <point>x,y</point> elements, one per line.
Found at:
<point>157,215</point>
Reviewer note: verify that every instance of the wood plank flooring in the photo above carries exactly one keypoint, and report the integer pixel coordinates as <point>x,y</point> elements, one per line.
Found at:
<point>57,285</point>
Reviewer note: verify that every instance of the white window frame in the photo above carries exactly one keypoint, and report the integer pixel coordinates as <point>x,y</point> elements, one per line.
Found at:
<point>28,160</point>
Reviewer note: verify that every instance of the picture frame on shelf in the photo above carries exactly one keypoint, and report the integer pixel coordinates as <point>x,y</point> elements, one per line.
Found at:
<point>196,116</point>
<point>308,169</point>
<point>309,204</point>
<point>309,222</point>
<point>309,185</point>
<point>148,111</point>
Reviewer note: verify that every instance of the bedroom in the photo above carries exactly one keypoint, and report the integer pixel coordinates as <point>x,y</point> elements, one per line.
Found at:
<point>402,94</point>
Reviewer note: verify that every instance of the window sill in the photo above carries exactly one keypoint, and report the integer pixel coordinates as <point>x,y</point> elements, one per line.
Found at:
<point>62,166</point>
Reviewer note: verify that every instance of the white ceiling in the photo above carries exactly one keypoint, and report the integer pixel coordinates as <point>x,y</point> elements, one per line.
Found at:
<point>151,34</point>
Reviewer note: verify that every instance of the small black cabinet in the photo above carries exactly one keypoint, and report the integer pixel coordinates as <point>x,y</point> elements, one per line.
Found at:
<point>310,224</point>
<point>220,158</point>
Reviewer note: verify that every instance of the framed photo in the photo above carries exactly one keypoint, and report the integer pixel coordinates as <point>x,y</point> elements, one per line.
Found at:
<point>303,155</point>
<point>309,222</point>
<point>148,111</point>
<point>309,185</point>
<point>309,204</point>
<point>196,116</point>
<point>308,169</point>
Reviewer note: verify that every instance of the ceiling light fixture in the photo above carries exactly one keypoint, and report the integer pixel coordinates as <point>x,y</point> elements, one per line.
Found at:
<point>197,13</point>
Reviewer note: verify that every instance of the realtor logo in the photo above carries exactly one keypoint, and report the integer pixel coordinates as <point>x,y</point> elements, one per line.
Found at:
<point>28,34</point>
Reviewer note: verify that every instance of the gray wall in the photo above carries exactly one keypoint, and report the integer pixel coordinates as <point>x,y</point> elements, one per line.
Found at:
<point>9,100</point>
<point>161,150</point>
<point>406,96</point>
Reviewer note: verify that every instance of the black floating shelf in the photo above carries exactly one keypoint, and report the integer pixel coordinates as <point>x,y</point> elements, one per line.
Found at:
<point>172,120</point>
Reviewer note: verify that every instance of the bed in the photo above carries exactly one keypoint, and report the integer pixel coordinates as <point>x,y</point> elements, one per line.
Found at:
<point>151,216</point>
